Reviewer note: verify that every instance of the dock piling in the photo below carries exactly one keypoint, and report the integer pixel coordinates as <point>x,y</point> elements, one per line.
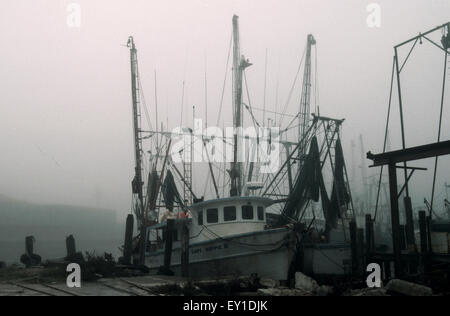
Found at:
<point>354,246</point>
<point>70,246</point>
<point>168,246</point>
<point>185,251</point>
<point>128,244</point>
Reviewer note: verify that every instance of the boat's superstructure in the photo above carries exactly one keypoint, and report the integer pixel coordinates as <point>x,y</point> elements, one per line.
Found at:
<point>228,216</point>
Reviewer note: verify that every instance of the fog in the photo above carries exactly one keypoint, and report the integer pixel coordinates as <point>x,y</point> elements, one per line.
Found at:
<point>65,101</point>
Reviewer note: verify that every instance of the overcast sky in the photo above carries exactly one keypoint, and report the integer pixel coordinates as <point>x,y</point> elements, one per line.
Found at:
<point>65,104</point>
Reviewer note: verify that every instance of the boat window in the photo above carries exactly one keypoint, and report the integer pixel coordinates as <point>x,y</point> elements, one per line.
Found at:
<point>260,213</point>
<point>200,218</point>
<point>212,215</point>
<point>247,212</point>
<point>229,213</point>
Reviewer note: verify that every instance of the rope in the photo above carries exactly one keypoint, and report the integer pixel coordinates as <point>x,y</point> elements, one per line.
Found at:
<point>292,87</point>
<point>224,81</point>
<point>248,245</point>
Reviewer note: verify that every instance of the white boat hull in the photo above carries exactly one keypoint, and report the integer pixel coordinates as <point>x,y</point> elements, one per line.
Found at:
<point>267,253</point>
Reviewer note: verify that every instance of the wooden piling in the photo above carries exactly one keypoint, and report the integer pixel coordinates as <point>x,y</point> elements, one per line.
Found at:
<point>70,246</point>
<point>423,232</point>
<point>402,230</point>
<point>29,245</point>
<point>424,249</point>
<point>430,248</point>
<point>185,251</point>
<point>354,246</point>
<point>360,249</point>
<point>410,239</point>
<point>387,270</point>
<point>168,245</point>
<point>370,236</point>
<point>128,243</point>
<point>395,219</point>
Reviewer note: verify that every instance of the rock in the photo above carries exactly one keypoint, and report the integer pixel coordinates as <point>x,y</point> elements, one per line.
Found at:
<point>369,292</point>
<point>400,287</point>
<point>269,283</point>
<point>325,290</point>
<point>306,283</point>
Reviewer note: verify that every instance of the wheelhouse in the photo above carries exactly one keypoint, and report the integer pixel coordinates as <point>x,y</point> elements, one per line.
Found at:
<point>229,216</point>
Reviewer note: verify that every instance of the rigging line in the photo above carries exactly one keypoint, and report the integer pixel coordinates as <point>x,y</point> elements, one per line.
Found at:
<point>290,123</point>
<point>292,87</point>
<point>255,122</point>
<point>276,91</point>
<point>407,57</point>
<point>265,85</point>
<point>440,128</point>
<point>272,112</point>
<point>249,109</point>
<point>224,80</point>
<point>385,139</point>
<point>182,105</point>
<point>206,94</point>
<point>141,93</point>
<point>156,110</point>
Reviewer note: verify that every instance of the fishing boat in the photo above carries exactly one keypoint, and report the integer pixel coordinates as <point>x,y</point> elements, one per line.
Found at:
<point>267,223</point>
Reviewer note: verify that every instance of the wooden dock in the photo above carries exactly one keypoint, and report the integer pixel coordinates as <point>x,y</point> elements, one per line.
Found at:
<point>133,286</point>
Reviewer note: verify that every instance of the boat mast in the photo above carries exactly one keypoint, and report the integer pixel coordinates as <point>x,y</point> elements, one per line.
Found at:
<point>137,183</point>
<point>305,107</point>
<point>239,64</point>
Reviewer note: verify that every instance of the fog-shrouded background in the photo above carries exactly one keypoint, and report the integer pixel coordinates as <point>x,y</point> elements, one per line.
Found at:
<point>65,101</point>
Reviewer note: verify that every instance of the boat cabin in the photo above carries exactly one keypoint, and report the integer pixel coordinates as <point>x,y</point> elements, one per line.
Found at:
<point>228,216</point>
<point>215,219</point>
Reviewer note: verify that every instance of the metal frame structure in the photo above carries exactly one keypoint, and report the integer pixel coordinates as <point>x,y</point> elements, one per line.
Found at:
<point>403,156</point>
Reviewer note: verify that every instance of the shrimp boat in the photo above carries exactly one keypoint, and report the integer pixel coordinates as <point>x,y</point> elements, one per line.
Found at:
<point>277,218</point>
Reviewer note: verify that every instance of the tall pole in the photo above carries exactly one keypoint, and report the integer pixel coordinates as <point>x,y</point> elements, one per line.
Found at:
<point>440,123</point>
<point>395,218</point>
<point>402,124</point>
<point>137,181</point>
<point>364,176</point>
<point>239,64</point>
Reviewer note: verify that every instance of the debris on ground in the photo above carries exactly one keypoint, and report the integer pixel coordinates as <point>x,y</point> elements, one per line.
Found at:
<point>305,283</point>
<point>269,283</point>
<point>367,292</point>
<point>405,288</point>
<point>283,291</point>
